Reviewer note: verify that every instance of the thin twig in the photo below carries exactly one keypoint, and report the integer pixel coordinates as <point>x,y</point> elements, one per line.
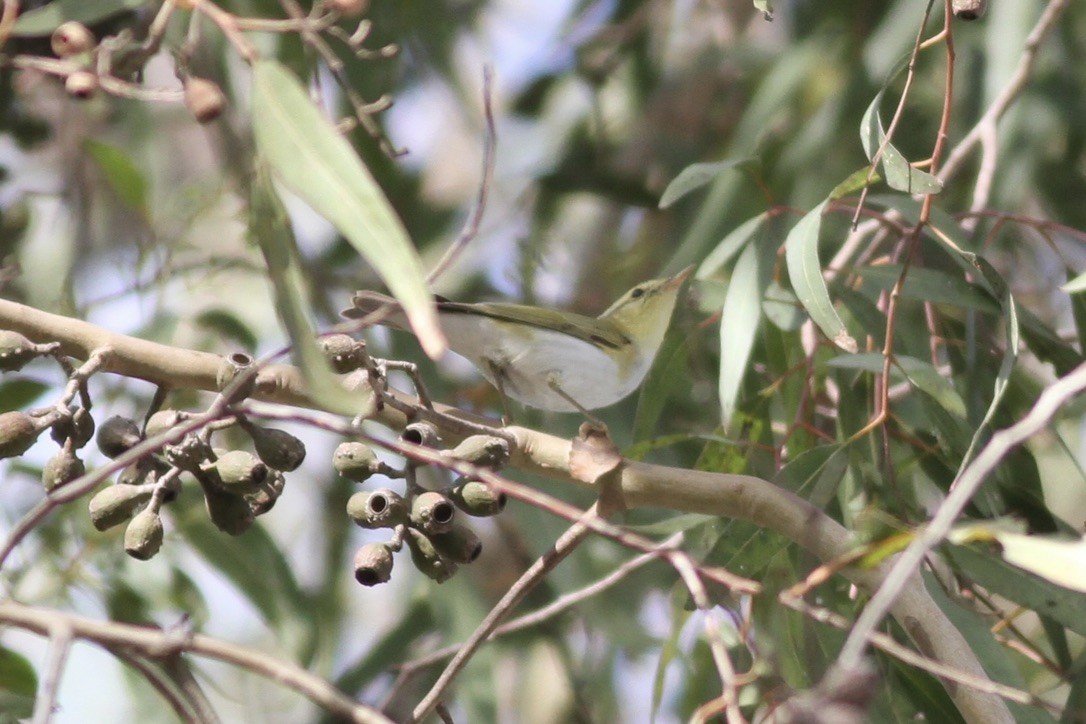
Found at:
<point>60,644</point>
<point>471,226</point>
<point>964,488</point>
<point>566,544</point>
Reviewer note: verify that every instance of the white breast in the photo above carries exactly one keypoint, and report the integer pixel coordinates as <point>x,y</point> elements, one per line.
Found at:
<point>583,371</point>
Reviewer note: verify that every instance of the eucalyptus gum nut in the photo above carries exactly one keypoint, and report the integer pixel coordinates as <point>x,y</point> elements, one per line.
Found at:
<point>62,468</point>
<point>381,508</point>
<point>230,513</point>
<point>230,368</point>
<point>72,38</point>
<point>114,505</point>
<point>485,451</point>
<point>459,544</point>
<point>81,84</point>
<point>477,498</point>
<point>77,426</point>
<point>341,351</point>
<point>264,499</point>
<point>432,513</point>
<point>356,461</point>
<point>373,564</point>
<point>162,421</point>
<point>117,435</point>
<point>204,99</point>
<point>15,351</point>
<point>421,433</point>
<point>426,557</point>
<point>277,448</point>
<point>143,536</point>
<point>17,434</point>
<point>240,472</point>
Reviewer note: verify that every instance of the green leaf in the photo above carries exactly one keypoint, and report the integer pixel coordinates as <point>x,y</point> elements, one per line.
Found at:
<point>729,246</point>
<point>311,159</point>
<point>269,225</point>
<point>696,175</point>
<point>781,307</point>
<point>18,685</point>
<point>900,175</point>
<point>256,566</point>
<point>17,393</point>
<point>122,175</point>
<point>1015,584</point>
<point>855,181</point>
<point>994,657</point>
<point>920,374</point>
<point>930,285</point>
<point>225,323</point>
<point>739,322</point>
<point>44,20</point>
<point>815,473</point>
<point>1076,285</point>
<point>805,273</point>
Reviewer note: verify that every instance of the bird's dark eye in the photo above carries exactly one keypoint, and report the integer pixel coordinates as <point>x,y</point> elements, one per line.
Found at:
<point>637,292</point>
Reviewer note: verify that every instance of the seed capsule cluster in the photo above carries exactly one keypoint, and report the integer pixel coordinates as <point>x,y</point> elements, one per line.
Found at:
<point>237,485</point>
<point>426,521</point>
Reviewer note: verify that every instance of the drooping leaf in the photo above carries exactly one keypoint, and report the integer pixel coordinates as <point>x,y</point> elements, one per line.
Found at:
<point>121,173</point>
<point>805,273</point>
<point>729,246</point>
<point>18,684</point>
<point>695,176</point>
<point>899,173</point>
<point>269,225</point>
<point>44,20</point>
<point>310,158</point>
<point>739,323</point>
<point>224,322</point>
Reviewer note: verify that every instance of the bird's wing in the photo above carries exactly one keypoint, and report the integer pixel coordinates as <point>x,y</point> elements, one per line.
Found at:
<point>603,332</point>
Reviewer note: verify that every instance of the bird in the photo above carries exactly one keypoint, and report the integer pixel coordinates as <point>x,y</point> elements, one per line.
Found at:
<point>549,359</point>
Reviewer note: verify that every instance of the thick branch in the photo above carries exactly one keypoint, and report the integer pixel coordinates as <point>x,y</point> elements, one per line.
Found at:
<point>642,484</point>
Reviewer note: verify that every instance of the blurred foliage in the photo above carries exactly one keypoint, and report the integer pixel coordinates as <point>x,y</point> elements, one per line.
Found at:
<point>130,215</point>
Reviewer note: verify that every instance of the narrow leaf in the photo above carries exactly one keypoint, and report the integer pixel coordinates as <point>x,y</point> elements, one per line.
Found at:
<point>270,227</point>
<point>900,175</point>
<point>739,322</point>
<point>805,272</point>
<point>696,175</point>
<point>44,20</point>
<point>122,175</point>
<point>729,246</point>
<point>317,164</point>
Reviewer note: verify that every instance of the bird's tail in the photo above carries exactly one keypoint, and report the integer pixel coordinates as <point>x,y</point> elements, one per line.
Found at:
<point>377,307</point>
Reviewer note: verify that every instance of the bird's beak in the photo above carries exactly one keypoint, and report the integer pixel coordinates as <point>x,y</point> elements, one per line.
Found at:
<point>676,281</point>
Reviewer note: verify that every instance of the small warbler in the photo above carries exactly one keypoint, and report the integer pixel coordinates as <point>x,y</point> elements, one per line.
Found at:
<point>545,358</point>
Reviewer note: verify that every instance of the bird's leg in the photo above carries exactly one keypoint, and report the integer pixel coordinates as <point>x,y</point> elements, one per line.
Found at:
<point>554,383</point>
<point>497,370</point>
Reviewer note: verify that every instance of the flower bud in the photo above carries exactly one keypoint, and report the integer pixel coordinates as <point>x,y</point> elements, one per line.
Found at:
<point>72,38</point>
<point>17,433</point>
<point>432,513</point>
<point>486,451</point>
<point>114,505</point>
<point>15,351</point>
<point>239,472</point>
<point>117,435</point>
<point>421,433</point>
<point>81,84</point>
<point>426,558</point>
<point>373,564</point>
<point>143,536</point>
<point>62,468</point>
<point>459,544</point>
<point>381,508</point>
<point>277,448</point>
<point>230,513</point>
<point>477,498</point>
<point>342,352</point>
<point>204,99</point>
<point>356,461</point>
